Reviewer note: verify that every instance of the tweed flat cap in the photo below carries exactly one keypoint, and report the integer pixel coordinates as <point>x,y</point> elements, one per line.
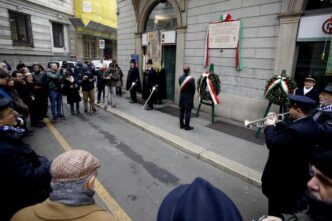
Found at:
<point>73,165</point>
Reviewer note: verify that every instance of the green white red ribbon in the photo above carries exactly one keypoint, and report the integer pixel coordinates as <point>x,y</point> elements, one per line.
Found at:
<point>209,84</point>
<point>185,81</point>
<point>279,82</point>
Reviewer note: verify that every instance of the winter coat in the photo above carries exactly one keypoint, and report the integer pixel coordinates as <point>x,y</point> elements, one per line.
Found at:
<point>324,122</point>
<point>133,76</point>
<point>54,80</point>
<point>87,80</point>
<point>187,93</point>
<point>114,74</point>
<point>286,172</point>
<point>49,210</point>
<point>71,90</point>
<point>313,94</point>
<point>25,176</point>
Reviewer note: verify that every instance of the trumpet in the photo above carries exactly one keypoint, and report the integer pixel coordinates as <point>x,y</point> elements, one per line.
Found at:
<point>260,122</point>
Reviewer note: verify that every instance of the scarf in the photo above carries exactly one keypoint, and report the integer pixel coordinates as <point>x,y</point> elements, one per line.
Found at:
<point>12,130</point>
<point>72,193</point>
<point>327,108</point>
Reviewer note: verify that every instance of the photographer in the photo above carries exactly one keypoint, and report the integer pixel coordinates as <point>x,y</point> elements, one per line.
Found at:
<point>86,81</point>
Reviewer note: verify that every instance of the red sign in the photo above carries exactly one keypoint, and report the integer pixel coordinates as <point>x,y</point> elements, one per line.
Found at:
<point>327,26</point>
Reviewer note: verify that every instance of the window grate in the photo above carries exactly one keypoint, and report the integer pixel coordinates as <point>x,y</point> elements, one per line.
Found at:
<point>20,25</point>
<point>58,36</point>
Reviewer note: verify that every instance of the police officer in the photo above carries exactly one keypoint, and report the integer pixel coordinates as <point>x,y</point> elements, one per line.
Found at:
<point>323,117</point>
<point>151,81</point>
<point>186,103</point>
<point>290,150</point>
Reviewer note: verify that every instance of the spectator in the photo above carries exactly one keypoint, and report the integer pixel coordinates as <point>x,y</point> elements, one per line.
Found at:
<point>111,77</point>
<point>71,90</point>
<point>198,201</point>
<point>40,79</point>
<point>87,80</point>
<point>290,150</point>
<point>73,178</point>
<point>319,199</point>
<point>100,84</point>
<point>20,65</point>
<point>309,89</point>
<point>25,176</point>
<point>4,78</point>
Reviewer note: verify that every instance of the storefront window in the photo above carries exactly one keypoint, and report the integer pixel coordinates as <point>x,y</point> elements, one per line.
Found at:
<point>162,17</point>
<point>312,60</point>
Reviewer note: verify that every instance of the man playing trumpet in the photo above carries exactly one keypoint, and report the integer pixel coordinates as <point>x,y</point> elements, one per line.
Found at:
<point>290,149</point>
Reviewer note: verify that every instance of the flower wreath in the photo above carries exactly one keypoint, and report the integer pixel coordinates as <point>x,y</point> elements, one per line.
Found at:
<point>278,88</point>
<point>209,87</point>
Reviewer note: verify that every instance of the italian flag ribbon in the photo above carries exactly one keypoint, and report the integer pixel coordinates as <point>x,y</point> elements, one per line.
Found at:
<point>185,81</point>
<point>279,82</point>
<point>209,84</point>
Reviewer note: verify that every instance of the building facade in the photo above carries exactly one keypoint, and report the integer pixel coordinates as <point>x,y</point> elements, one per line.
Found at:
<point>36,31</point>
<point>95,23</point>
<point>274,38</point>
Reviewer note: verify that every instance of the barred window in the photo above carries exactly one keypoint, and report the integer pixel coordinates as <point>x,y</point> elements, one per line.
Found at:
<point>58,35</point>
<point>89,48</point>
<point>20,25</point>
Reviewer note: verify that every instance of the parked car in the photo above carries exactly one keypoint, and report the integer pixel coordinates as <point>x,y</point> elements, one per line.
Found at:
<point>98,64</point>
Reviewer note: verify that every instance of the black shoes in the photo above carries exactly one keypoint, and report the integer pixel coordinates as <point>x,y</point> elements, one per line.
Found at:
<point>189,128</point>
<point>181,126</point>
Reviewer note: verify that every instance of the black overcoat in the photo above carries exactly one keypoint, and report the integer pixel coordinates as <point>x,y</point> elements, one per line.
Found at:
<point>133,76</point>
<point>72,93</point>
<point>188,92</point>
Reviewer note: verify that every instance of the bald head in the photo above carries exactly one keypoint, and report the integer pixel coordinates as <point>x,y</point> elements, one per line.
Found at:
<point>186,69</point>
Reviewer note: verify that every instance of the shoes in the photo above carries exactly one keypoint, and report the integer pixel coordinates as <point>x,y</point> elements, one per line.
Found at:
<point>61,116</point>
<point>85,111</point>
<point>78,112</point>
<point>94,110</point>
<point>73,113</point>
<point>105,107</point>
<point>132,102</point>
<point>181,126</point>
<point>113,106</point>
<point>189,128</point>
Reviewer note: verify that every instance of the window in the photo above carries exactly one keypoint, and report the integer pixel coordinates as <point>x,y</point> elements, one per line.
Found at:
<point>89,47</point>
<point>20,25</point>
<point>58,35</point>
<point>162,17</point>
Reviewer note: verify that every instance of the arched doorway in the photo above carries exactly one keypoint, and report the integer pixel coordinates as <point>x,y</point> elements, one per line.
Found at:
<point>159,44</point>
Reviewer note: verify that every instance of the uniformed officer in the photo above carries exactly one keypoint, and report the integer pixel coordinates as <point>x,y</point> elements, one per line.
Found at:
<point>290,149</point>
<point>186,103</point>
<point>323,117</point>
<point>309,89</point>
<point>133,81</point>
<point>151,82</point>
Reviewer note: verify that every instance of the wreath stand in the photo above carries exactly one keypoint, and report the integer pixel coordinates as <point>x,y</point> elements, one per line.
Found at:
<point>282,109</point>
<point>201,101</point>
<point>207,102</point>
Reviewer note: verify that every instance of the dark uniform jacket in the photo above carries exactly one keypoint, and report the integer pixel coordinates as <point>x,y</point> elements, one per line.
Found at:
<point>25,176</point>
<point>324,122</point>
<point>287,169</point>
<point>150,80</point>
<point>133,76</point>
<point>188,92</point>
<point>313,94</point>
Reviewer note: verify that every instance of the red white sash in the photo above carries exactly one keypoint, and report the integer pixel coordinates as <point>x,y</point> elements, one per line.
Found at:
<point>185,81</point>
<point>209,84</point>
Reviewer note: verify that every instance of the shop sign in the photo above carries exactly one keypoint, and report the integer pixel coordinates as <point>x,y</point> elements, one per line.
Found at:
<point>314,28</point>
<point>327,26</point>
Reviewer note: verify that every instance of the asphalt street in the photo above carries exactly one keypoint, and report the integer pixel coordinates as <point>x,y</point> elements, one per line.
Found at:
<point>138,169</point>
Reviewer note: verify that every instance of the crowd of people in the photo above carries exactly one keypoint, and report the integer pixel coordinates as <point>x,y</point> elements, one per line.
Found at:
<point>297,178</point>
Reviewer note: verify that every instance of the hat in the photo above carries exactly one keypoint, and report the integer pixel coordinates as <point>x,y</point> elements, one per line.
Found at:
<point>328,88</point>
<point>149,61</point>
<point>4,103</point>
<point>198,201</point>
<point>310,78</point>
<point>302,101</point>
<point>323,162</point>
<point>73,165</point>
<point>133,61</point>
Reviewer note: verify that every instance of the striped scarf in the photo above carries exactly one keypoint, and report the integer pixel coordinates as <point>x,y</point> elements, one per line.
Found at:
<point>9,129</point>
<point>327,108</point>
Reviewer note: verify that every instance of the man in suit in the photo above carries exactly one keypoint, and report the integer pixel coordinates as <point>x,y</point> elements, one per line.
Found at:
<point>287,169</point>
<point>186,103</point>
<point>309,89</point>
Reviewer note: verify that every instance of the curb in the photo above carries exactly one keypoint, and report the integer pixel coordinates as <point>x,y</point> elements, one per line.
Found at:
<point>229,166</point>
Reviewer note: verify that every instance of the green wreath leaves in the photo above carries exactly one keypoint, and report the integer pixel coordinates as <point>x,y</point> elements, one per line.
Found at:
<point>276,95</point>
<point>202,86</point>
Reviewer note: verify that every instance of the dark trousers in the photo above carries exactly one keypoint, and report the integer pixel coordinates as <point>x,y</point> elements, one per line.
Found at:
<point>185,114</point>
<point>133,94</point>
<point>77,107</point>
<point>119,90</point>
<point>101,91</point>
<point>152,99</point>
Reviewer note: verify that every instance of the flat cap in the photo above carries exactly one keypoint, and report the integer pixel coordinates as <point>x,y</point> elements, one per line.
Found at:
<point>328,88</point>
<point>73,165</point>
<point>302,101</point>
<point>323,162</point>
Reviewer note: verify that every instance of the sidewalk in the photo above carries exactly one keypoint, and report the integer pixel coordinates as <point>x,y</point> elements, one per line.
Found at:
<point>236,156</point>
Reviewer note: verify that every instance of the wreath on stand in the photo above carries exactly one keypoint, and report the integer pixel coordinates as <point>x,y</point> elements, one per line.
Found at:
<point>209,87</point>
<point>278,88</point>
